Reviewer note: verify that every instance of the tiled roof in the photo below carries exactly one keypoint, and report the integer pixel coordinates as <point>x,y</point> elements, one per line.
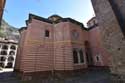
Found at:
<point>48,20</point>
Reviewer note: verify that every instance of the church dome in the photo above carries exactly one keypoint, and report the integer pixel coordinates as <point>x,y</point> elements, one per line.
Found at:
<point>54,17</point>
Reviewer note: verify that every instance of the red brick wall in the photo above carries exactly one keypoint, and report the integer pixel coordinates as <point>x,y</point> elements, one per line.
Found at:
<point>97,48</point>
<point>39,53</point>
<point>39,50</point>
<point>20,50</point>
<point>79,42</point>
<point>62,47</point>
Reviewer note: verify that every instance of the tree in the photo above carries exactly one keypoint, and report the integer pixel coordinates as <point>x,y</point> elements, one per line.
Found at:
<point>1,32</point>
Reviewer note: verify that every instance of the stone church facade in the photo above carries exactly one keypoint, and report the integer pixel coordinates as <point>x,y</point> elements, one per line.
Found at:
<point>56,44</point>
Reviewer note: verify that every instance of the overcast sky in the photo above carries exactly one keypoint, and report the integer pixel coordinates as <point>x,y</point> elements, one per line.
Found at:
<point>16,11</point>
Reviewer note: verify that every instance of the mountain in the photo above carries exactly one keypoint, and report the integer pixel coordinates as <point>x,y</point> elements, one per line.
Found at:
<point>9,32</point>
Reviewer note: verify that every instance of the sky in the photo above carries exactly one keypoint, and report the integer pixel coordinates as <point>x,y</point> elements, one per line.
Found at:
<point>17,11</point>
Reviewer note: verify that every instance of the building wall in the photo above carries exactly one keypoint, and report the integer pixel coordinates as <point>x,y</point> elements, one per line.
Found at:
<point>112,36</point>
<point>54,53</point>
<point>67,38</point>
<point>62,47</point>
<point>20,50</point>
<point>97,48</point>
<point>120,5</point>
<point>8,53</point>
<point>78,38</point>
<point>37,50</point>
<point>118,9</point>
<point>100,56</point>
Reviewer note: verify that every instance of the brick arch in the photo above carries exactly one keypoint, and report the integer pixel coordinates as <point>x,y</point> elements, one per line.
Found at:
<point>11,58</point>
<point>2,58</point>
<point>13,47</point>
<point>12,53</point>
<point>3,52</point>
<point>4,47</point>
<point>9,65</point>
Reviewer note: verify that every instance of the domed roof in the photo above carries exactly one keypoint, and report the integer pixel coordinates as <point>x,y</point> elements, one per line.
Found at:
<point>54,17</point>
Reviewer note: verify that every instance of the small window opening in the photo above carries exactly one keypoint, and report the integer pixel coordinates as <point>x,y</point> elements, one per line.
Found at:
<point>97,58</point>
<point>13,47</point>
<point>3,53</point>
<point>46,33</point>
<point>5,47</point>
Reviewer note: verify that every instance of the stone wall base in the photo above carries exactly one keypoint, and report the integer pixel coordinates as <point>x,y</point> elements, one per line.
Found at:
<point>60,74</point>
<point>118,78</point>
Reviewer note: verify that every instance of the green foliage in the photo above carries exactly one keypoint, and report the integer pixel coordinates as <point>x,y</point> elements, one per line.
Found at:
<point>2,34</point>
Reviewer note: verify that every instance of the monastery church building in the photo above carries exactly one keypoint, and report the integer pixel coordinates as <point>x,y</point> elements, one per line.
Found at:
<point>57,44</point>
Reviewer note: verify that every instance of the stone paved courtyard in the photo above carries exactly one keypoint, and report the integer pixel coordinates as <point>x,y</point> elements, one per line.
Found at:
<point>93,76</point>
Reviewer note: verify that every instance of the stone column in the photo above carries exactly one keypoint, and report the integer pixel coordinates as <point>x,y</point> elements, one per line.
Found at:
<point>112,36</point>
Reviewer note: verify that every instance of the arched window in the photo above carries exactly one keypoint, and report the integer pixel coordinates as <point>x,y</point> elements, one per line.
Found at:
<point>81,56</point>
<point>13,47</point>
<point>9,65</point>
<point>2,65</point>
<point>10,58</point>
<point>47,33</point>
<point>5,47</point>
<point>75,57</point>
<point>12,53</point>
<point>78,56</point>
<point>3,53</point>
<point>2,58</point>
